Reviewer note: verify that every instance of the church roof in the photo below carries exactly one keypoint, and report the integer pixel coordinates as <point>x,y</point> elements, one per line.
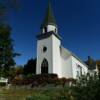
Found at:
<point>43,36</point>
<point>65,53</point>
<point>49,18</point>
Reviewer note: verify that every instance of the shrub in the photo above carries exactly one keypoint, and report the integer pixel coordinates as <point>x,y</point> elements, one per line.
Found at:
<point>87,88</point>
<point>35,80</point>
<point>2,84</point>
<point>44,79</point>
<point>18,80</point>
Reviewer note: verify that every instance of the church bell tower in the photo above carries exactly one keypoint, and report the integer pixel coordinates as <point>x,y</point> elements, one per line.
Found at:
<point>48,46</point>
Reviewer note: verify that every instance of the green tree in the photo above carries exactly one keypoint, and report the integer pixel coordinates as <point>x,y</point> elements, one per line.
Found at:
<point>30,67</point>
<point>7,53</point>
<point>91,63</point>
<point>98,65</point>
<point>19,70</point>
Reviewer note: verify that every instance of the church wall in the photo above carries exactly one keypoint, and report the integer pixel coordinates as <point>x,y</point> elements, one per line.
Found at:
<point>41,55</point>
<point>51,28</point>
<point>56,56</point>
<point>52,55</point>
<point>78,68</point>
<point>67,67</point>
<point>59,60</point>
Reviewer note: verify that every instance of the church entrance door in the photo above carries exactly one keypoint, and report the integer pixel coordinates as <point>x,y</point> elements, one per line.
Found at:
<point>44,67</point>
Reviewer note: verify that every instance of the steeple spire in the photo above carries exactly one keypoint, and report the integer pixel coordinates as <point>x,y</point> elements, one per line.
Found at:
<point>49,26</point>
<point>49,18</point>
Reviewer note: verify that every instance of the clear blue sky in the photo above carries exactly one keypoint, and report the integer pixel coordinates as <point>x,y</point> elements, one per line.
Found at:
<point>78,22</point>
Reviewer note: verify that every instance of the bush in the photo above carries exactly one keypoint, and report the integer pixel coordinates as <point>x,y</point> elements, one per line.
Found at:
<point>18,80</point>
<point>2,84</point>
<point>44,79</point>
<point>87,88</point>
<point>35,80</point>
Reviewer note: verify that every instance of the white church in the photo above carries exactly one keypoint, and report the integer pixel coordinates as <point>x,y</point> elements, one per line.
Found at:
<point>52,57</point>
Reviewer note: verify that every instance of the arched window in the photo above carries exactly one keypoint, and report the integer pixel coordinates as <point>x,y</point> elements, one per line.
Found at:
<point>44,67</point>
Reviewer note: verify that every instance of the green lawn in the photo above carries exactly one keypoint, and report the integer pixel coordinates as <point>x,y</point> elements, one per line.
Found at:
<point>15,94</point>
<point>21,93</point>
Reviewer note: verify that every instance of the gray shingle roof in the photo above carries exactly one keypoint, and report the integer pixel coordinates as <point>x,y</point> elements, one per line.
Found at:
<point>66,53</point>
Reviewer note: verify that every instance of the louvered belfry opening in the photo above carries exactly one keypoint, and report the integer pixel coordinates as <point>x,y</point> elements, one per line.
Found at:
<point>44,67</point>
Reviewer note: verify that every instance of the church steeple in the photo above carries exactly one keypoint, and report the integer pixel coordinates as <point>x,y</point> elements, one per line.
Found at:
<point>49,23</point>
<point>49,18</point>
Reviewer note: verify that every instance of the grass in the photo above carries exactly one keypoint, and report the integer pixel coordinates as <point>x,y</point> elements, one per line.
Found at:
<point>15,94</point>
<point>22,93</point>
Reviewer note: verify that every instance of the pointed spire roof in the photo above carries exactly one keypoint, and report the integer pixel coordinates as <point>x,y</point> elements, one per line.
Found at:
<point>49,18</point>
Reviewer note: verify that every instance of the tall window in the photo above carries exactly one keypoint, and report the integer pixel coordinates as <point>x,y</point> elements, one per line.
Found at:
<point>44,67</point>
<point>55,30</point>
<point>45,28</point>
<point>78,74</point>
<point>80,70</point>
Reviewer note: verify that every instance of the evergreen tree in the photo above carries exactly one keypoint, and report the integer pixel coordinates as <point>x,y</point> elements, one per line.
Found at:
<point>6,43</point>
<point>30,67</point>
<point>6,50</point>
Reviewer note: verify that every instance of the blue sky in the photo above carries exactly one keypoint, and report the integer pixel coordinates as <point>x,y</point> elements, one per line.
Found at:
<point>78,23</point>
